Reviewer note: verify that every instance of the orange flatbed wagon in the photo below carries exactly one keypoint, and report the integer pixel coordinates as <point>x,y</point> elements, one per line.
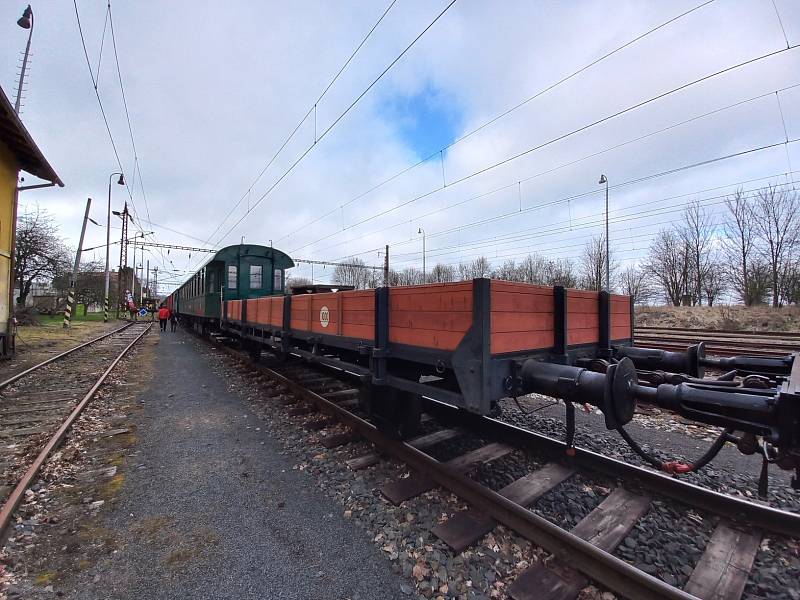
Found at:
<point>460,343</point>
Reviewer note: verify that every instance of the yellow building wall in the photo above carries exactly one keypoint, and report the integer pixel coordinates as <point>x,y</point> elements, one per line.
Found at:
<point>9,171</point>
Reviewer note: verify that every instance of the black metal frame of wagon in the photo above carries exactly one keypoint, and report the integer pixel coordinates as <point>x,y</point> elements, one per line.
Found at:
<point>468,377</point>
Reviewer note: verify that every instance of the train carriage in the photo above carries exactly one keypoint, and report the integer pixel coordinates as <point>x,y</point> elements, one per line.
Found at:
<point>457,342</point>
<point>234,273</point>
<point>471,343</point>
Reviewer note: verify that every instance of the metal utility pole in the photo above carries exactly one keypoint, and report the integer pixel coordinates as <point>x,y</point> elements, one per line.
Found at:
<point>123,255</point>
<point>154,292</point>
<point>386,267</point>
<point>26,22</point>
<point>133,274</point>
<point>147,281</point>
<point>73,282</point>
<point>604,179</point>
<point>108,245</point>
<point>424,271</point>
<point>141,283</point>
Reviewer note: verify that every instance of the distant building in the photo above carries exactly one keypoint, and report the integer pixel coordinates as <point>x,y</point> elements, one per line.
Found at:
<point>18,152</point>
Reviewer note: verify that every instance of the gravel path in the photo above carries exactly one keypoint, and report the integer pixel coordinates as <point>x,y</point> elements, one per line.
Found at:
<point>212,507</point>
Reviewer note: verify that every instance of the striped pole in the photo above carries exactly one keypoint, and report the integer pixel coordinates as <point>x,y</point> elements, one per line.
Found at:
<point>74,281</point>
<point>105,311</point>
<point>68,310</point>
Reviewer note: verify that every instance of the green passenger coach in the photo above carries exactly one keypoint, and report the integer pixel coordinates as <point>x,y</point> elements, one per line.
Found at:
<point>234,273</point>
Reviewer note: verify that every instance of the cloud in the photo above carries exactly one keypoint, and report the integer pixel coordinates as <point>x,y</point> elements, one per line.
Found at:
<point>213,90</point>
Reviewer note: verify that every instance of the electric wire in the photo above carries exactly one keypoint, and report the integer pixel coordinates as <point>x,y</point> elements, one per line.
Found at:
<point>99,100</point>
<point>336,121</point>
<point>545,172</point>
<point>504,114</point>
<point>623,184</point>
<point>297,127</point>
<point>569,134</point>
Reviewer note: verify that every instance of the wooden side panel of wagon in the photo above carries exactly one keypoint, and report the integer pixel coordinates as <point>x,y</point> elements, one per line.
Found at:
<point>583,317</point>
<point>521,317</point>
<point>433,316</point>
<point>621,317</point>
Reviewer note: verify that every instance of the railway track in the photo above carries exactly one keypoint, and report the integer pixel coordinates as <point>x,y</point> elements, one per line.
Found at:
<point>587,550</point>
<point>720,343</point>
<point>39,405</point>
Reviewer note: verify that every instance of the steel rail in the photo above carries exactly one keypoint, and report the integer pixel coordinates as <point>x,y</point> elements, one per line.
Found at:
<point>721,332</point>
<point>737,509</point>
<point>595,563</point>
<point>30,370</point>
<point>13,500</point>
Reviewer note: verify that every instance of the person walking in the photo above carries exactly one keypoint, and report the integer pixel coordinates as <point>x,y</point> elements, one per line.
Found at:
<point>163,315</point>
<point>173,321</point>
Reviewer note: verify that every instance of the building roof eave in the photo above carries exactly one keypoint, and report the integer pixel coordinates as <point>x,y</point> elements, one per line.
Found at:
<point>16,137</point>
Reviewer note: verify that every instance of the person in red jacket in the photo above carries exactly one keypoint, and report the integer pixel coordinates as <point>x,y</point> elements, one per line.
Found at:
<point>163,316</point>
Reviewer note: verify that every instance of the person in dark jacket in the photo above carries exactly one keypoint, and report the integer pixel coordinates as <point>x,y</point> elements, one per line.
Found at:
<point>163,315</point>
<point>173,321</point>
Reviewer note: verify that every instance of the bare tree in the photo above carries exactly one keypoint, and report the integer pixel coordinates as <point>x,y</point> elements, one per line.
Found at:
<point>697,235</point>
<point>292,281</point>
<point>442,273</point>
<point>668,265</point>
<point>410,276</point>
<point>636,284</point>
<point>480,267</point>
<point>89,286</point>
<point>39,252</point>
<point>790,290</point>
<point>777,223</point>
<point>714,281</point>
<point>354,272</point>
<point>592,265</point>
<point>508,271</point>
<point>532,269</point>
<point>561,272</point>
<point>739,245</point>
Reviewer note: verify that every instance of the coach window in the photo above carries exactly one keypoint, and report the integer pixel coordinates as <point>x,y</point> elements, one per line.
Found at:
<point>277,281</point>
<point>232,277</point>
<point>203,281</point>
<point>255,277</point>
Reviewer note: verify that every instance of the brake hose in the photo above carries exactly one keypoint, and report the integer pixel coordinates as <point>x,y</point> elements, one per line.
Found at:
<point>675,466</point>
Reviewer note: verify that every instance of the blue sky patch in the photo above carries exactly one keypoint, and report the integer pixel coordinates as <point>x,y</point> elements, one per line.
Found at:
<point>426,121</point>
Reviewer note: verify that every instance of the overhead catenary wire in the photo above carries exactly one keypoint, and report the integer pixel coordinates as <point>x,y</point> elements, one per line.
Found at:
<point>313,108</point>
<point>593,221</point>
<point>99,100</point>
<point>337,120</point>
<point>548,171</point>
<point>503,114</point>
<point>571,133</point>
<point>634,181</point>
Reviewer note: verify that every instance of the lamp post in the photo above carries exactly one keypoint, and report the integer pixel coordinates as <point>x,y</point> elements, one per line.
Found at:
<point>120,181</point>
<point>604,180</point>
<point>424,272</point>
<point>26,22</point>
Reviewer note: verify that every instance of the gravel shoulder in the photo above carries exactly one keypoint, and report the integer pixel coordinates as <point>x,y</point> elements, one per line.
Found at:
<point>38,343</point>
<point>212,508</point>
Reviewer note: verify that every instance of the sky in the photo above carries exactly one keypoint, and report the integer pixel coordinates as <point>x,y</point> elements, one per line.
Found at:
<point>214,89</point>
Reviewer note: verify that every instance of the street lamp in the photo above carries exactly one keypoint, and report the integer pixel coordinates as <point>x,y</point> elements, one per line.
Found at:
<point>120,181</point>
<point>604,180</point>
<point>26,22</point>
<point>424,272</point>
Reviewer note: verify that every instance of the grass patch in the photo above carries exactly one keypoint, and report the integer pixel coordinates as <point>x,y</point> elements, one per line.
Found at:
<point>45,578</point>
<point>113,486</point>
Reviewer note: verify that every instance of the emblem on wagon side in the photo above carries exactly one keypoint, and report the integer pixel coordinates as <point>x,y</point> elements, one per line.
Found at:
<point>324,316</point>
